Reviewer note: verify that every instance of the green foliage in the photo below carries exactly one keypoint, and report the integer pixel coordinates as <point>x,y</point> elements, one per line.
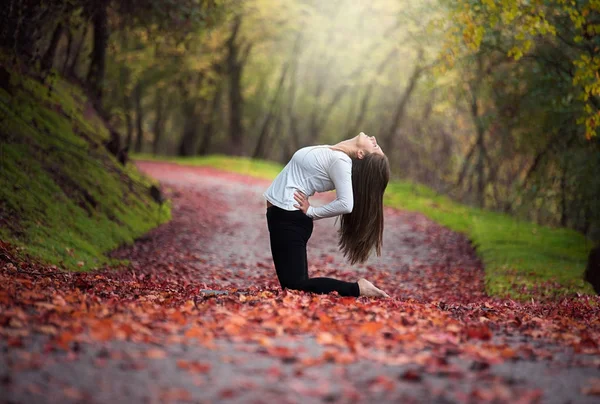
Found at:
<point>521,259</point>
<point>69,201</point>
<point>572,24</point>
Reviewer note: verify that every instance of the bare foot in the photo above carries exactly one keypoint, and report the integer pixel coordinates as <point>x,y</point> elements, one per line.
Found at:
<point>368,289</point>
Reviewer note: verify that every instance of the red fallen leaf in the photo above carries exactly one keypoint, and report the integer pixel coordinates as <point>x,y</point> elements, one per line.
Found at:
<point>174,394</point>
<point>73,393</point>
<point>483,394</point>
<point>102,330</point>
<point>281,352</point>
<point>127,330</point>
<point>382,382</point>
<point>324,318</point>
<point>587,341</point>
<point>64,339</point>
<point>46,305</point>
<point>14,342</point>
<point>178,318</point>
<point>508,353</point>
<point>592,388</point>
<point>479,332</point>
<point>155,353</point>
<point>30,295</point>
<point>48,330</point>
<point>371,327</point>
<point>188,307</point>
<point>528,397</point>
<point>195,332</point>
<point>227,393</point>
<point>274,372</point>
<point>338,340</point>
<point>34,389</point>
<point>342,358</point>
<point>59,300</point>
<point>346,301</point>
<point>25,282</point>
<point>411,375</point>
<point>16,323</point>
<point>135,365</point>
<point>193,366</point>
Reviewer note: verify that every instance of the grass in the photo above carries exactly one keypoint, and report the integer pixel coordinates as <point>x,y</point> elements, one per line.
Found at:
<point>63,198</point>
<point>522,259</point>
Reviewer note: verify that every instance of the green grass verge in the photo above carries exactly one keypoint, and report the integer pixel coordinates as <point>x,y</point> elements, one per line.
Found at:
<point>522,259</point>
<point>63,198</point>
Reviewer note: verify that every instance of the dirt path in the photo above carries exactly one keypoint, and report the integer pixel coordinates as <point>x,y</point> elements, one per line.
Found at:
<point>145,334</point>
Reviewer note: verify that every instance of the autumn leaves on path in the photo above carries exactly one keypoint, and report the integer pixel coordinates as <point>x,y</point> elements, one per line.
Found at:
<point>146,332</point>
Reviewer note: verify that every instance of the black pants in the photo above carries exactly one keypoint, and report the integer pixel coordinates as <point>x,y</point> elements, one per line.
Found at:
<point>289,233</point>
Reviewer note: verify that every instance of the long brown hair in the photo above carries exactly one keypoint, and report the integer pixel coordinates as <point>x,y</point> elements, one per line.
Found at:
<point>362,229</point>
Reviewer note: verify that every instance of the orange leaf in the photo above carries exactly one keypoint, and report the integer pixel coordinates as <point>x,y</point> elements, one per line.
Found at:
<point>64,339</point>
<point>593,388</point>
<point>193,366</point>
<point>371,327</point>
<point>155,353</point>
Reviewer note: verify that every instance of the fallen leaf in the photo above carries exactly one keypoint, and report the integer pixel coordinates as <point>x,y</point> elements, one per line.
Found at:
<point>592,387</point>
<point>155,353</point>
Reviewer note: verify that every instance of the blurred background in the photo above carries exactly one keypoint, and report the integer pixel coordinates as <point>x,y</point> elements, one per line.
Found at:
<point>495,104</point>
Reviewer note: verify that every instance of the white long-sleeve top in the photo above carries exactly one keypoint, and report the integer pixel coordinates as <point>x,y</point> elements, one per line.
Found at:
<point>315,169</point>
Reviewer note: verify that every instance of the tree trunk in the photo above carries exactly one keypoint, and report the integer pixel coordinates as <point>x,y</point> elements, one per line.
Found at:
<point>481,170</point>
<point>139,118</point>
<point>128,121</point>
<point>278,129</point>
<point>95,77</point>
<point>293,139</point>
<point>158,122</point>
<point>48,58</point>
<point>563,192</point>
<point>479,145</point>
<point>187,146</point>
<point>72,69</point>
<point>208,127</point>
<point>390,134</point>
<point>234,69</point>
<point>314,127</point>
<point>259,151</point>
<point>68,51</point>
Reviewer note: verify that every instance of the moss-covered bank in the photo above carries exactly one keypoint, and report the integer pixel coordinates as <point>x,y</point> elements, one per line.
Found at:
<point>63,198</point>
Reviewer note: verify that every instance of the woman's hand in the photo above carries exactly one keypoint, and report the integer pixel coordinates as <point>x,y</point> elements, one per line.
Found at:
<point>302,200</point>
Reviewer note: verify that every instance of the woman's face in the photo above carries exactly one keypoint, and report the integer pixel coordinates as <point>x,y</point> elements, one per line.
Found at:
<point>368,144</point>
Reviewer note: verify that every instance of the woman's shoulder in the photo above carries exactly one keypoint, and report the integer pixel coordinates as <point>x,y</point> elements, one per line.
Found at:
<point>340,155</point>
<point>330,154</point>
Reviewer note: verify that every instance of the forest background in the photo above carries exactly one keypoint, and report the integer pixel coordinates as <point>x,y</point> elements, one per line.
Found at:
<point>496,104</point>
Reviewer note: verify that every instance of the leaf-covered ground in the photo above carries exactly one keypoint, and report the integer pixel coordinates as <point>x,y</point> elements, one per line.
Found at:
<point>146,333</point>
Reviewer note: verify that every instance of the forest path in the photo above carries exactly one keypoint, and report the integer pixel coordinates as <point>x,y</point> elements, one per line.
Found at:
<point>145,333</point>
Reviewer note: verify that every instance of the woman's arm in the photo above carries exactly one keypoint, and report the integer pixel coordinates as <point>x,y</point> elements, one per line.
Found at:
<point>340,173</point>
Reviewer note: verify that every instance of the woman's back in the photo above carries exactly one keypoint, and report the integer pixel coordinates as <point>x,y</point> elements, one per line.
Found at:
<point>314,169</point>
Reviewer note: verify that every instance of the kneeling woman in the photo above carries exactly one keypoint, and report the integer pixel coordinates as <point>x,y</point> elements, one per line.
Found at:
<point>359,171</point>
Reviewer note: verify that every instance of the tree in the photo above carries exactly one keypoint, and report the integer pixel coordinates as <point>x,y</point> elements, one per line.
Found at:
<point>573,25</point>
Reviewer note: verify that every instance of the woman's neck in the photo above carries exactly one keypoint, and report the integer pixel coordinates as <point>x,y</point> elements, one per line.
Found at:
<point>347,146</point>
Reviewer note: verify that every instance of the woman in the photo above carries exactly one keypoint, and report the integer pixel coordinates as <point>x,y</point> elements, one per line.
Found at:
<point>359,171</point>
